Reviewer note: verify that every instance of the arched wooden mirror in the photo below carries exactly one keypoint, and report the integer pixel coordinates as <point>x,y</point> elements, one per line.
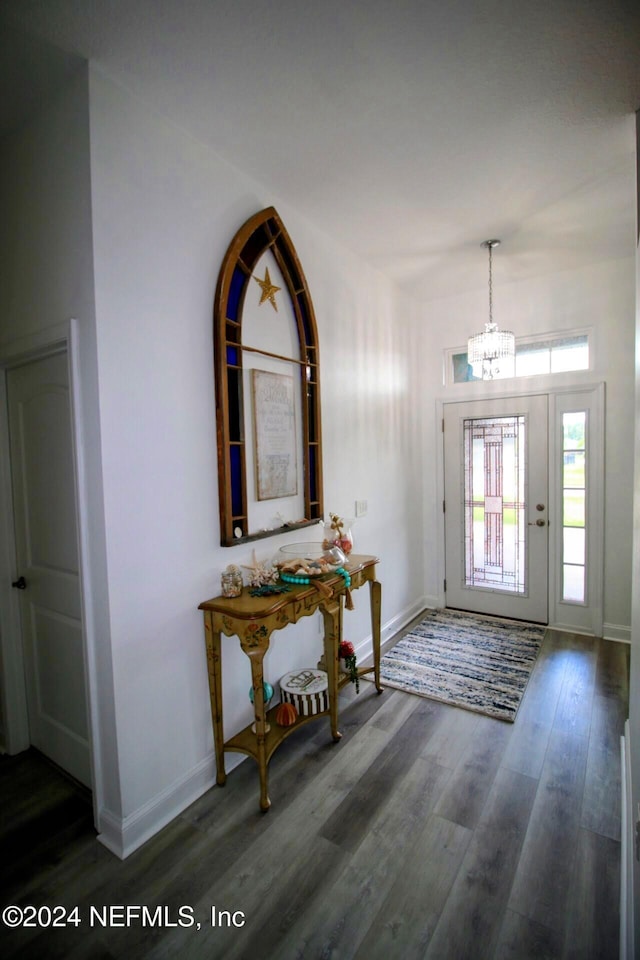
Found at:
<point>267,373</point>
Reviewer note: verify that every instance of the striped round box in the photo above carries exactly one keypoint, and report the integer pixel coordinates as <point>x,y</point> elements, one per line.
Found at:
<point>307,690</point>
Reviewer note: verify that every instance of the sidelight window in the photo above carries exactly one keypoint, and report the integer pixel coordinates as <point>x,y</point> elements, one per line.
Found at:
<point>574,500</point>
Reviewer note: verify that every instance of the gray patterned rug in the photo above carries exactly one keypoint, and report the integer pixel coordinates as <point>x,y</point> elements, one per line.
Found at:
<point>479,663</point>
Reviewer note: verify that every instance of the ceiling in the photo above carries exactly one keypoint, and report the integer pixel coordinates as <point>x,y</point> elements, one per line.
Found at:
<point>409,130</point>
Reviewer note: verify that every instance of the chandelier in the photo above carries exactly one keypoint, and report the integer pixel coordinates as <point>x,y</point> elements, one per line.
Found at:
<point>491,347</point>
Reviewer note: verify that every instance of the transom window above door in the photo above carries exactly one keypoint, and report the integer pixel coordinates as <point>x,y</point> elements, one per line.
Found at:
<point>535,356</point>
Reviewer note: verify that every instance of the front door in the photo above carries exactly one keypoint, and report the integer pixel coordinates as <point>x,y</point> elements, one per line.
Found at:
<point>496,507</point>
<point>42,474</point>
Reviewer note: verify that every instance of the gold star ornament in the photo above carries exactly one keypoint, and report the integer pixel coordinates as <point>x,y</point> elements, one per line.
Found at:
<point>269,290</point>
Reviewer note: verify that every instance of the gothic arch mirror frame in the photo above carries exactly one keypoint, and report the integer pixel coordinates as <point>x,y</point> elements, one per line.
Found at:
<point>264,231</point>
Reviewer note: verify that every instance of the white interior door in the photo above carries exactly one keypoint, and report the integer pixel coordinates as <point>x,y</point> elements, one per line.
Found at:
<point>42,473</point>
<point>496,507</point>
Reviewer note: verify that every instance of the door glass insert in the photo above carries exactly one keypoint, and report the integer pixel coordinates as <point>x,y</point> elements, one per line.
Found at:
<point>494,503</point>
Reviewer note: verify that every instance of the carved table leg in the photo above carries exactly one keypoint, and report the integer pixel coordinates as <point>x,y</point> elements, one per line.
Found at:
<point>332,615</point>
<point>375,596</point>
<point>256,657</point>
<point>214,668</point>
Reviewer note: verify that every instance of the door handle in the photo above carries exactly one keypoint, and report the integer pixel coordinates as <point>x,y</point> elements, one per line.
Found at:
<point>537,523</point>
<point>20,583</point>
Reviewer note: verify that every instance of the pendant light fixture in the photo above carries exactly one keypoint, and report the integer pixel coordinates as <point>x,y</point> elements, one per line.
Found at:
<point>491,347</point>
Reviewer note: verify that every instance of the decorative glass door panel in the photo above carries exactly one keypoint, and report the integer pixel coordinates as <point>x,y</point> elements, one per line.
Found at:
<point>494,503</point>
<point>496,506</point>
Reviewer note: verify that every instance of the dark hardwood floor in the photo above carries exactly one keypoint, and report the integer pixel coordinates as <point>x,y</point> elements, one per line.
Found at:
<point>428,831</point>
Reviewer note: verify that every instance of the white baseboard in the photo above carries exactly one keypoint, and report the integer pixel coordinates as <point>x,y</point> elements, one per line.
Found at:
<point>124,835</point>
<point>365,648</point>
<point>626,852</point>
<point>570,628</point>
<point>397,623</point>
<point>610,631</point>
<point>616,631</point>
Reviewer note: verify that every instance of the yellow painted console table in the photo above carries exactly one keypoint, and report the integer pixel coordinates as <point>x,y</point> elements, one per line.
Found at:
<point>253,620</point>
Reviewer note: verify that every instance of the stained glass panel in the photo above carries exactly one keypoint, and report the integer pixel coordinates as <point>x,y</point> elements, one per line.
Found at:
<point>494,498</point>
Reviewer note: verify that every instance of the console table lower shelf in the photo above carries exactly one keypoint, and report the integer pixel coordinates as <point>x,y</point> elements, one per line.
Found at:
<point>252,620</point>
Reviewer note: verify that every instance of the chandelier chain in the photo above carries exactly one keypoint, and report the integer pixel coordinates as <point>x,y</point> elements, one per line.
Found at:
<point>490,245</point>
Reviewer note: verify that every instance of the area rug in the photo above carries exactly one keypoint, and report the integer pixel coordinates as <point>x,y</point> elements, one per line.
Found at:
<point>479,663</point>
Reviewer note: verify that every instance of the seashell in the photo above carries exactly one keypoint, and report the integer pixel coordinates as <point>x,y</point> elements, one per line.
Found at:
<point>286,715</point>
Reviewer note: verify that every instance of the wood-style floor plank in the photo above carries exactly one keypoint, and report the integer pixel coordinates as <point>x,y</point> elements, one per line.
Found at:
<point>547,678</point>
<point>351,820</point>
<point>527,747</point>
<point>612,675</point>
<point>452,737</point>
<point>405,922</point>
<point>546,865</point>
<point>523,939</point>
<point>340,920</point>
<point>427,831</point>
<point>472,916</point>
<point>573,714</point>
<point>593,927</point>
<point>602,798</point>
<point>465,795</point>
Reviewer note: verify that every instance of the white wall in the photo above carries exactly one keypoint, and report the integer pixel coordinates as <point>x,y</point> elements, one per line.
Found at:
<point>46,267</point>
<point>164,210</point>
<point>600,297</point>
<point>45,241</point>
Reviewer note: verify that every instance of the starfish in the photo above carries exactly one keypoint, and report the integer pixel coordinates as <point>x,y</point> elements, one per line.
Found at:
<point>260,572</point>
<point>269,289</point>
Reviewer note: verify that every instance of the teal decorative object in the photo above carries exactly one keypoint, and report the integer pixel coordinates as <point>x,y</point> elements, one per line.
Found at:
<point>267,690</point>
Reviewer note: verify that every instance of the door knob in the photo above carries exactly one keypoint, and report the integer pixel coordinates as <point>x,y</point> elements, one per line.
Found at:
<point>539,506</point>
<point>20,583</point>
<point>537,523</point>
